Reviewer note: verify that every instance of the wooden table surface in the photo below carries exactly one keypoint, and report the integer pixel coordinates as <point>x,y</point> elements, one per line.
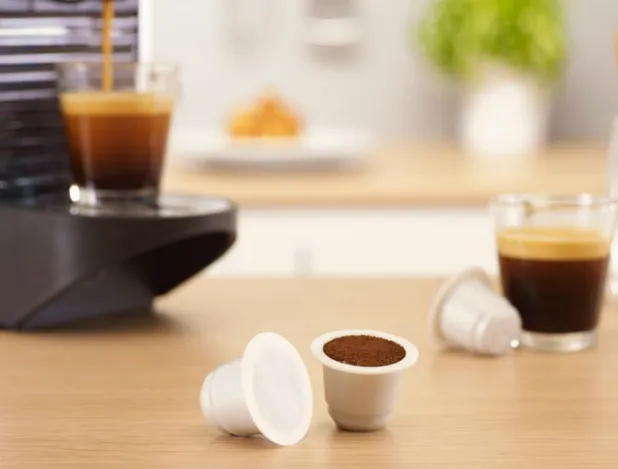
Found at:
<point>405,174</point>
<point>125,393</point>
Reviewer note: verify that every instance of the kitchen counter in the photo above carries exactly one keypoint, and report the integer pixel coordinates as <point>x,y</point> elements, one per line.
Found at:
<point>412,210</point>
<point>124,393</point>
<point>406,175</point>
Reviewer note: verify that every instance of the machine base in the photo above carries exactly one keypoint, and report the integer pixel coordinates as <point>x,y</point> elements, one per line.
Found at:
<point>63,263</point>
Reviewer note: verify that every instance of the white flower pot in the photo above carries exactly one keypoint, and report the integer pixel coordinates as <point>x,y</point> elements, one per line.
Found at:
<point>504,114</point>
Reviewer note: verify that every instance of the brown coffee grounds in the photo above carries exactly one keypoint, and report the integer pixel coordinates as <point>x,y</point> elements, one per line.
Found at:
<point>364,350</point>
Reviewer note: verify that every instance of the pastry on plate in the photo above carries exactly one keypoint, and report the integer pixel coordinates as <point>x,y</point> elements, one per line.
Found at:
<point>269,118</point>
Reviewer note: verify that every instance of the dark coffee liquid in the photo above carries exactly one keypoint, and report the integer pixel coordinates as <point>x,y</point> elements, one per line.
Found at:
<point>555,277</point>
<point>117,141</point>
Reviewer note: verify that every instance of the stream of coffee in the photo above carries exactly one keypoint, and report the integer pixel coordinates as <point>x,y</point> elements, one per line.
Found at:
<point>107,48</point>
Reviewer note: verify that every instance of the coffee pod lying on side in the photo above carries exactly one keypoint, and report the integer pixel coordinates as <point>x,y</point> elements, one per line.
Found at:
<point>468,314</point>
<point>362,370</point>
<point>267,391</point>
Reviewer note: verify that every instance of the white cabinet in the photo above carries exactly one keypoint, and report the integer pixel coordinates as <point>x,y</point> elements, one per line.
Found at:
<point>264,247</point>
<point>402,243</point>
<point>368,242</point>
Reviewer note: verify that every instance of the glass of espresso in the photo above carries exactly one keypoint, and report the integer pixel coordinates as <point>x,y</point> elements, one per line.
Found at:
<point>117,122</point>
<point>554,253</point>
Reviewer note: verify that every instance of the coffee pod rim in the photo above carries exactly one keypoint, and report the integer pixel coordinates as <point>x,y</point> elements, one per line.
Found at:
<point>437,338</point>
<point>254,360</point>
<point>410,358</point>
<point>251,358</point>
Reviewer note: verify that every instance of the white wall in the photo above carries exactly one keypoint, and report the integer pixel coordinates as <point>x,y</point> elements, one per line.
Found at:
<point>588,97</point>
<point>382,86</point>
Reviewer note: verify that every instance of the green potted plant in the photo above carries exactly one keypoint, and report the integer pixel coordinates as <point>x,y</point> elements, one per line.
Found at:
<point>508,54</point>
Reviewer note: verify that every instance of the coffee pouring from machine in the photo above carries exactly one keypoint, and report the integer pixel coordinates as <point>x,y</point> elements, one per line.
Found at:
<point>78,261</point>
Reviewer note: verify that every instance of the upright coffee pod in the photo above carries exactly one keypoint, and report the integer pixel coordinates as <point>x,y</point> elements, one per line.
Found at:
<point>468,314</point>
<point>267,391</point>
<point>362,370</point>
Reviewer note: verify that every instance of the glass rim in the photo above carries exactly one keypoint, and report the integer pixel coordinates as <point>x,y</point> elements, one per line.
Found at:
<point>554,201</point>
<point>98,64</point>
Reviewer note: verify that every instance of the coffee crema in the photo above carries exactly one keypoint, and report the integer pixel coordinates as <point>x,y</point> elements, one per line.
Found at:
<point>117,140</point>
<point>116,103</point>
<point>553,243</point>
<point>554,276</point>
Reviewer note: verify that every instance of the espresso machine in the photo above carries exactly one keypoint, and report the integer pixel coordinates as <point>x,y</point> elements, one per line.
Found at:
<point>60,264</point>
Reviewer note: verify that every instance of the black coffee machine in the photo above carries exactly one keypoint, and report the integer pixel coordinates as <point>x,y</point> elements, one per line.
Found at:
<point>60,263</point>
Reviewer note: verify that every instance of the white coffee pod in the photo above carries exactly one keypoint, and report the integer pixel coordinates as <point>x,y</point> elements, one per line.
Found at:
<point>267,391</point>
<point>362,398</point>
<point>468,314</point>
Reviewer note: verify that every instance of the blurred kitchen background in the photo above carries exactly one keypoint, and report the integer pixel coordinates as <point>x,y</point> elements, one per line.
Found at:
<point>417,205</point>
<point>383,85</point>
<point>355,142</point>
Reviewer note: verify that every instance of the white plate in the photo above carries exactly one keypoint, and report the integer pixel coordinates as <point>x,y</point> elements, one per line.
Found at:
<point>315,148</point>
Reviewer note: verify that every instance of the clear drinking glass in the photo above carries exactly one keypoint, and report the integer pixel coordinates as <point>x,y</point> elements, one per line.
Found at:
<point>612,282</point>
<point>554,254</point>
<point>117,122</point>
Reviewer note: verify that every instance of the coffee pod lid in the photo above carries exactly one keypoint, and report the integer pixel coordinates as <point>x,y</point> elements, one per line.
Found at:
<point>444,293</point>
<point>276,389</point>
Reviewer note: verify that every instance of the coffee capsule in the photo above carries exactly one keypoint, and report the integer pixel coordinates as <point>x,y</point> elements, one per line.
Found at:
<point>267,391</point>
<point>468,314</point>
<point>362,370</point>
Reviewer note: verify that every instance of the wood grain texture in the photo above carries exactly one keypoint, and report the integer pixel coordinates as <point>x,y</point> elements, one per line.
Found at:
<point>124,393</point>
<point>407,174</point>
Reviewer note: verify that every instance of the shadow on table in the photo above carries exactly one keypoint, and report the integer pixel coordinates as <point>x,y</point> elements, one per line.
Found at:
<point>154,321</point>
